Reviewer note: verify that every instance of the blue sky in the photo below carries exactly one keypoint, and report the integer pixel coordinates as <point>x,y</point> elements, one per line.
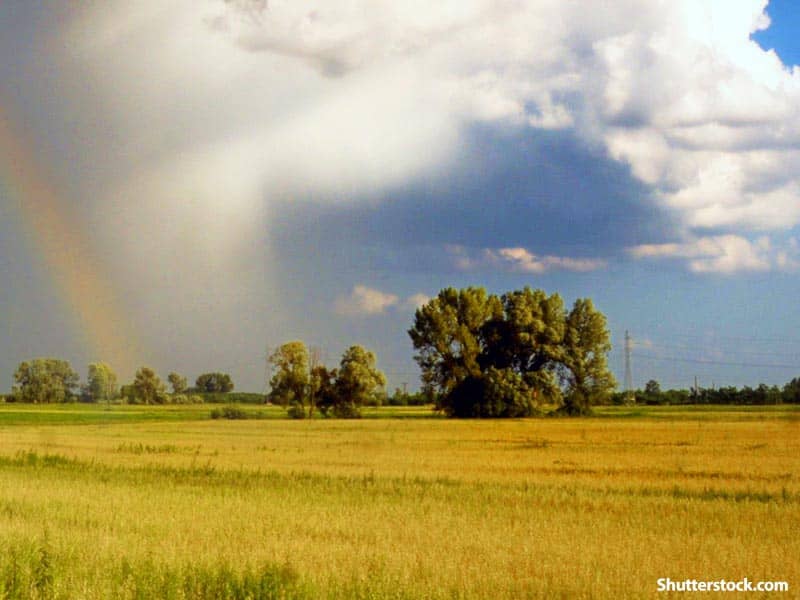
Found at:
<point>246,174</point>
<point>782,32</point>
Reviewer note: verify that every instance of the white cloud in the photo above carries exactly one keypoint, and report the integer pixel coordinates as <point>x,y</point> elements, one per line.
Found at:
<point>677,90</point>
<point>415,301</point>
<point>365,301</point>
<point>521,260</point>
<point>724,254</point>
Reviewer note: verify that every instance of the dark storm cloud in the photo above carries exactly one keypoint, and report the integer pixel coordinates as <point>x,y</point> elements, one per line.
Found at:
<point>543,191</point>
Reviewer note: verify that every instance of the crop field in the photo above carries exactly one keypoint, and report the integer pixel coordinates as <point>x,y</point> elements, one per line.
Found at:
<point>142,502</point>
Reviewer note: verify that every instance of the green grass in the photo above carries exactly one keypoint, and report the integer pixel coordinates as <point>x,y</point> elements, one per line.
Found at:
<point>14,414</point>
<point>230,397</point>
<point>700,412</point>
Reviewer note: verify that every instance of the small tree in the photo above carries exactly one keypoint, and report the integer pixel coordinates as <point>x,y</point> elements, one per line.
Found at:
<point>214,382</point>
<point>583,358</point>
<point>359,381</point>
<point>652,393</point>
<point>101,383</point>
<point>290,381</point>
<point>652,387</point>
<point>177,382</point>
<point>147,387</point>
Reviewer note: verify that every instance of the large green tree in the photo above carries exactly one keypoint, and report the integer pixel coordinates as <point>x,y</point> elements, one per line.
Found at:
<point>474,348</point>
<point>101,383</point>
<point>583,358</point>
<point>44,380</point>
<point>290,379</point>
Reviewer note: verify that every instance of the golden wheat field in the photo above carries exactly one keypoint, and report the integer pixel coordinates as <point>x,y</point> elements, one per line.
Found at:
<point>602,507</point>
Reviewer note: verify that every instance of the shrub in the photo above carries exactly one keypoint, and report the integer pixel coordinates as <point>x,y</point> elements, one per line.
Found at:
<point>346,410</point>
<point>228,397</point>
<point>228,412</point>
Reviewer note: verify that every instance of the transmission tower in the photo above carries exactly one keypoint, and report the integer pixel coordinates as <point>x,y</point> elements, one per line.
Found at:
<point>630,397</point>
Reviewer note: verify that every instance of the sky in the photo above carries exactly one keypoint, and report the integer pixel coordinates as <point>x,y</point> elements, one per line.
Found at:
<point>188,184</point>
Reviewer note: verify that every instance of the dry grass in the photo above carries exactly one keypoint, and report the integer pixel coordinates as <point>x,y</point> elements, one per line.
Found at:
<point>589,508</point>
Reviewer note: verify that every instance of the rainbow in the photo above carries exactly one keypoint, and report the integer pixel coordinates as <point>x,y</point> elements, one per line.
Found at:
<point>70,260</point>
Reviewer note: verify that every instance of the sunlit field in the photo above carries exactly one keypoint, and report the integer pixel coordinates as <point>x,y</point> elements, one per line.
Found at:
<point>140,502</point>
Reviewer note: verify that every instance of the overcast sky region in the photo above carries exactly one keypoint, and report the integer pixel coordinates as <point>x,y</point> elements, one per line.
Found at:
<point>186,184</point>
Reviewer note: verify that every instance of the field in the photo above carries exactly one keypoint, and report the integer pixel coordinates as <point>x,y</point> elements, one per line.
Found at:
<point>141,502</point>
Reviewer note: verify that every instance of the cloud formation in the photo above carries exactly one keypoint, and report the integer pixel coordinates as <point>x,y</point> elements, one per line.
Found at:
<point>345,100</point>
<point>677,90</point>
<point>520,260</point>
<point>725,254</point>
<point>366,301</point>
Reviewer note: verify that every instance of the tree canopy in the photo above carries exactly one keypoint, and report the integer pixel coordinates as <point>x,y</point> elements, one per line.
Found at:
<point>101,383</point>
<point>358,381</point>
<point>178,382</point>
<point>214,382</point>
<point>147,387</point>
<point>448,334</point>
<point>290,379</point>
<point>583,358</point>
<point>44,380</point>
<point>488,355</point>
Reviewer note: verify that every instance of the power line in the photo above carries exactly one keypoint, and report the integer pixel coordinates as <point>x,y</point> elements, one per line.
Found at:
<point>736,338</point>
<point>702,361</point>
<point>649,345</point>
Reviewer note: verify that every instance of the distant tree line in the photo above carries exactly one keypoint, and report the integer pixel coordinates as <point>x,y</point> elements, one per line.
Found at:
<point>652,394</point>
<point>484,355</point>
<point>52,380</point>
<point>518,354</point>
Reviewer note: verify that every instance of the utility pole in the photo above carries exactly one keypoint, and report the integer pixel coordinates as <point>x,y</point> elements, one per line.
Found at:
<point>630,397</point>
